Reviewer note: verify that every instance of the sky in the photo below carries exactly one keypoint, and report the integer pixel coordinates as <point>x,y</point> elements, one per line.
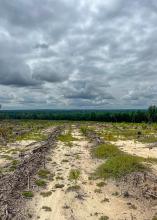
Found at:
<point>78,54</point>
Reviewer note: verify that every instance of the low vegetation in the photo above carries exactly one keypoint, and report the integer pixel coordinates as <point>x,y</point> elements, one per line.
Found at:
<point>36,136</point>
<point>40,182</point>
<point>58,186</point>
<point>74,175</point>
<point>114,162</point>
<point>118,166</point>
<point>27,194</point>
<point>46,208</point>
<point>101,184</point>
<point>46,194</point>
<point>14,165</point>
<point>73,188</point>
<point>118,163</point>
<point>105,151</point>
<point>66,137</point>
<point>44,173</point>
<point>104,218</point>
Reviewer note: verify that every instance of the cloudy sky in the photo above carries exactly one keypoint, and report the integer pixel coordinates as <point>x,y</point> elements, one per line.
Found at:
<point>78,54</point>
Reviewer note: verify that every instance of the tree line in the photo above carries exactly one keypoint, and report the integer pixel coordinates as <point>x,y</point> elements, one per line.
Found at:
<point>149,115</point>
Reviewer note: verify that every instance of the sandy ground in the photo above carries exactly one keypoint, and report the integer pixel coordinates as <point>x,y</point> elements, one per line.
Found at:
<point>90,202</point>
<point>137,148</point>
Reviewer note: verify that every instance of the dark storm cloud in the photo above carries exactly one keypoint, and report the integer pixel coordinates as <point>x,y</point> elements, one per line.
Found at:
<point>14,73</point>
<point>78,53</point>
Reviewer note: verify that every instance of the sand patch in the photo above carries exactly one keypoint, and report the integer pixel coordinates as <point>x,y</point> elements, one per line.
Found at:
<point>89,201</point>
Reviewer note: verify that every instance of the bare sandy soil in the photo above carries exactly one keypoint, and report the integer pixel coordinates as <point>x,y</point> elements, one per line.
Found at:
<point>90,202</point>
<point>137,148</point>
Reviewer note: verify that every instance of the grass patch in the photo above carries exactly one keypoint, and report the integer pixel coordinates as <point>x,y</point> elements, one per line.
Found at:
<point>66,137</point>
<point>14,165</point>
<point>7,157</point>
<point>115,194</point>
<point>74,175</point>
<point>84,130</point>
<point>27,194</point>
<point>97,191</point>
<point>150,160</point>
<point>49,159</point>
<point>33,136</point>
<point>101,184</point>
<point>73,188</point>
<point>106,151</point>
<point>40,182</point>
<point>104,218</point>
<point>118,163</point>
<point>46,194</point>
<point>59,178</point>
<point>65,161</point>
<point>109,137</point>
<point>59,186</point>
<point>148,139</point>
<point>30,215</point>
<point>43,173</point>
<point>105,200</point>
<point>118,166</point>
<point>46,208</point>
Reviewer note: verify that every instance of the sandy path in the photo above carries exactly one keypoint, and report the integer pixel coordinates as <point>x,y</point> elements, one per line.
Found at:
<point>90,202</point>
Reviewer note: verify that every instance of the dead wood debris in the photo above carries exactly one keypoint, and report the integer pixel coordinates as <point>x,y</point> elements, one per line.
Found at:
<point>11,200</point>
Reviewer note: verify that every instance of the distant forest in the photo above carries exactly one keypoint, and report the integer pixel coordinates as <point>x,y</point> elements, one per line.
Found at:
<point>149,115</point>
